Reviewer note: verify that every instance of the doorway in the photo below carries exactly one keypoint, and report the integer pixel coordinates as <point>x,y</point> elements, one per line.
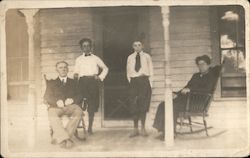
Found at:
<point>121,26</point>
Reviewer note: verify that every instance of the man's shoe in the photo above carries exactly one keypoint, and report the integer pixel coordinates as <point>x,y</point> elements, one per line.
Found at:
<point>134,133</point>
<point>69,144</point>
<point>63,144</point>
<point>53,141</point>
<point>144,133</point>
<point>90,131</point>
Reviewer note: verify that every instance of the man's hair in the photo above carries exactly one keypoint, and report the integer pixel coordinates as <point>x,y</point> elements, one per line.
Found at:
<point>137,40</point>
<point>85,40</point>
<point>204,58</point>
<point>60,62</point>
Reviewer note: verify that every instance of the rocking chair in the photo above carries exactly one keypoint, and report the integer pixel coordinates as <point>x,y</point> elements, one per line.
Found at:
<point>197,106</point>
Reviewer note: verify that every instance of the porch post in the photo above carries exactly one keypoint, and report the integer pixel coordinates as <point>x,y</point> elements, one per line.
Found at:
<point>169,130</point>
<point>29,17</point>
<point>3,82</point>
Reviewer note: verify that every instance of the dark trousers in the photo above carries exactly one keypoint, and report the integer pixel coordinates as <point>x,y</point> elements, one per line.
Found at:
<point>139,99</point>
<point>90,90</point>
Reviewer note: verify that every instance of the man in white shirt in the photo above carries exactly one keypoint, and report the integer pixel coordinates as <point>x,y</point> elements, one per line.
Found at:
<point>139,74</point>
<point>87,71</point>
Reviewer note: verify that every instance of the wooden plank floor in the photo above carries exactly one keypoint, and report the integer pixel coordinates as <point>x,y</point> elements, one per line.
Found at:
<point>229,121</point>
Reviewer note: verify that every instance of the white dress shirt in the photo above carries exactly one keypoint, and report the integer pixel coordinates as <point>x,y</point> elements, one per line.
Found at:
<point>63,79</point>
<point>146,66</point>
<point>89,66</point>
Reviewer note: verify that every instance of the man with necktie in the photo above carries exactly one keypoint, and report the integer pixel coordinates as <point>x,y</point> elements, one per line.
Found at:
<point>87,71</point>
<point>139,75</point>
<point>63,98</point>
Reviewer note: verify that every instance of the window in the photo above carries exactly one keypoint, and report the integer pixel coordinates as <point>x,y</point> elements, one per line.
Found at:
<point>17,56</point>
<point>232,51</point>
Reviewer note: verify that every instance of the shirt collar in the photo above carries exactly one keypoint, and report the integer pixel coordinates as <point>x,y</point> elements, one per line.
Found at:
<point>85,53</point>
<point>141,52</point>
<point>63,78</point>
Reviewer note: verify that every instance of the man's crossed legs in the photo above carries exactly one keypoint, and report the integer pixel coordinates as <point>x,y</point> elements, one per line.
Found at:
<point>63,135</point>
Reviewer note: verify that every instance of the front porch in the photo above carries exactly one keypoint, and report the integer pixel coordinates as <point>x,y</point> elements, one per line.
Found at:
<point>167,43</point>
<point>228,118</point>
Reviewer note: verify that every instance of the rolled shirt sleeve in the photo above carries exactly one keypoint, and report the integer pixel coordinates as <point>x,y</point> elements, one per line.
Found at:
<point>128,69</point>
<point>104,68</point>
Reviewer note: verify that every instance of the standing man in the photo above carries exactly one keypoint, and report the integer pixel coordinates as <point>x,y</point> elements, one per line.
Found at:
<point>63,98</point>
<point>87,70</point>
<point>139,74</point>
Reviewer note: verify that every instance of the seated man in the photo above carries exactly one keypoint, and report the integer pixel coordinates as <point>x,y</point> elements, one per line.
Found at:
<point>203,82</point>
<point>64,98</point>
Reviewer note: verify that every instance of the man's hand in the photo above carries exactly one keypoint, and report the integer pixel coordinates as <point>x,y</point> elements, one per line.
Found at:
<point>60,103</point>
<point>185,90</point>
<point>98,78</point>
<point>69,101</point>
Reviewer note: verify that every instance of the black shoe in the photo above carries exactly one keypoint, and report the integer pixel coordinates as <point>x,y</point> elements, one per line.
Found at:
<point>90,131</point>
<point>144,133</point>
<point>135,133</point>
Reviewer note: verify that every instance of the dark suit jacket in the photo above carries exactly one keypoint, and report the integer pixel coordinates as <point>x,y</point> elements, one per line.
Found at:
<point>55,91</point>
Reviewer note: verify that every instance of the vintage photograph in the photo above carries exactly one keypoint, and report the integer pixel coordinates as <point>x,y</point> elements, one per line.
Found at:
<point>124,79</point>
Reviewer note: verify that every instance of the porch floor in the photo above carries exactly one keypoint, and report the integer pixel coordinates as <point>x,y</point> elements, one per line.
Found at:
<point>228,118</point>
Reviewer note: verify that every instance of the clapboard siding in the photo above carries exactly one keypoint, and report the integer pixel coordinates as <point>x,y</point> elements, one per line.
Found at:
<point>189,38</point>
<point>158,57</point>
<point>60,32</point>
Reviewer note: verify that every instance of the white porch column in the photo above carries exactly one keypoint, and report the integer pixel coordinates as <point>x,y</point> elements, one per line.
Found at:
<point>169,130</point>
<point>29,17</point>
<point>3,83</point>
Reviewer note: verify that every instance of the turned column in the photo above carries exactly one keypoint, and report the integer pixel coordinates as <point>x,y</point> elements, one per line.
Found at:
<point>169,126</point>
<point>30,21</point>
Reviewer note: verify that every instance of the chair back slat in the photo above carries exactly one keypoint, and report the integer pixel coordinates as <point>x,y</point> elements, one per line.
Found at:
<point>200,102</point>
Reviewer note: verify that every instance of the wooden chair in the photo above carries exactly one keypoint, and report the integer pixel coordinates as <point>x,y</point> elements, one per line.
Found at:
<point>198,105</point>
<point>81,124</point>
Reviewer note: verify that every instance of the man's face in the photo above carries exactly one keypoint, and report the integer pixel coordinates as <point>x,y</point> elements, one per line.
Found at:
<point>62,69</point>
<point>86,47</point>
<point>203,66</point>
<point>137,46</point>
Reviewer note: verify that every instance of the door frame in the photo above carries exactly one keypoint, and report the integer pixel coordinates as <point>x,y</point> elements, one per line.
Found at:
<point>98,14</point>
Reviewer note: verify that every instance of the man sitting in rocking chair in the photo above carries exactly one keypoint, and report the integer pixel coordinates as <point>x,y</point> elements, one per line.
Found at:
<point>63,98</point>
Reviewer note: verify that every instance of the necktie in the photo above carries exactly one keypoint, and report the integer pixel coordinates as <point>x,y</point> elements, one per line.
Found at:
<point>137,62</point>
<point>63,82</point>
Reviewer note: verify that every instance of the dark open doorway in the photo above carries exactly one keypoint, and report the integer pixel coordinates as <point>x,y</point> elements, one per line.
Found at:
<point>121,26</point>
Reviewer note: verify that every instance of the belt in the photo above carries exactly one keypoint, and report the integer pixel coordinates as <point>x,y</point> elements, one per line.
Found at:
<point>143,76</point>
<point>88,76</point>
